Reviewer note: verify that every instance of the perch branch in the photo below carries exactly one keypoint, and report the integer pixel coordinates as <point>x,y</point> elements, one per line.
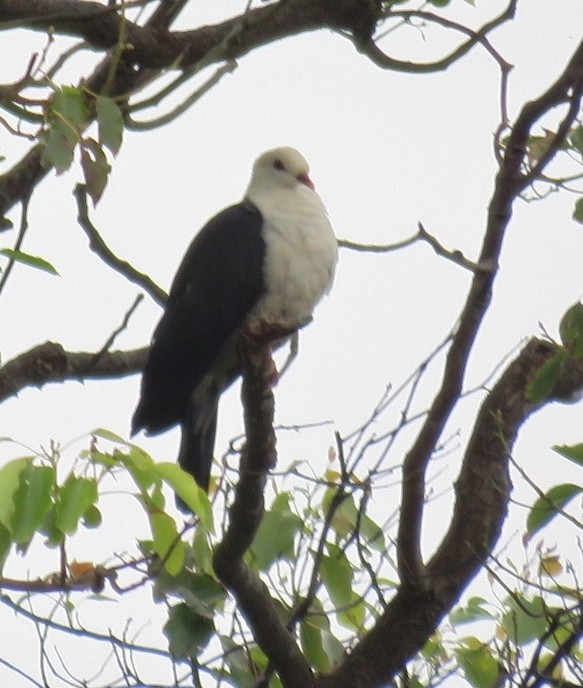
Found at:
<point>245,514</point>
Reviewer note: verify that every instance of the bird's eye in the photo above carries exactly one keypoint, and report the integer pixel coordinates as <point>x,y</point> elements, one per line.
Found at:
<point>278,165</point>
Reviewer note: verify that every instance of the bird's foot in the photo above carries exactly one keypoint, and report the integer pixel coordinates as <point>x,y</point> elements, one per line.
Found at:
<point>271,372</point>
<point>260,331</point>
<point>262,357</point>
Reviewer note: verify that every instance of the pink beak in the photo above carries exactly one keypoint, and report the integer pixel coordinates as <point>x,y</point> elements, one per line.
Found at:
<point>304,179</point>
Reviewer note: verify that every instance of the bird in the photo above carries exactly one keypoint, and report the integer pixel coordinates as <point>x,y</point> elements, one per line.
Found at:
<point>266,260</point>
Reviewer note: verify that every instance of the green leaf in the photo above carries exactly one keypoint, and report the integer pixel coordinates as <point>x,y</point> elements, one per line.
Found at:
<point>200,591</point>
<point>346,519</point>
<point>313,646</point>
<point>372,532</point>
<point>525,619</point>
<point>578,210</point>
<point>439,3</point>
<point>27,259</point>
<point>477,662</point>
<point>434,651</point>
<point>55,536</point>
<point>141,467</point>
<point>201,549</point>
<point>547,507</point>
<point>110,123</point>
<point>68,105</point>
<point>573,452</point>
<point>188,633</point>
<point>236,659</point>
<point>576,138</point>
<point>92,517</point>
<point>369,530</point>
<point>5,543</point>
<point>32,501</point>
<point>75,498</point>
<point>204,594</point>
<point>541,385</point>
<point>473,611</point>
<point>571,330</point>
<point>9,482</point>
<point>183,484</point>
<point>110,436</point>
<point>276,534</point>
<point>336,572</point>
<point>322,649</point>
<point>57,152</point>
<point>167,543</point>
<point>95,168</point>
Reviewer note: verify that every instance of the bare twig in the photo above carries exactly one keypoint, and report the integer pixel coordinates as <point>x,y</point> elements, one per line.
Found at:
<point>80,632</point>
<point>19,240</point>
<point>111,339</point>
<point>377,248</point>
<point>455,256</point>
<point>98,246</point>
<point>157,122</point>
<point>381,59</point>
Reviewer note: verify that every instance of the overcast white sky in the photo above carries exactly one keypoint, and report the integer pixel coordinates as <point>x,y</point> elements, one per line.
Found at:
<point>386,150</point>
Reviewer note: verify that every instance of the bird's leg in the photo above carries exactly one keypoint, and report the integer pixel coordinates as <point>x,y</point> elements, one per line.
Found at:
<point>294,345</point>
<point>271,373</point>
<point>263,335</point>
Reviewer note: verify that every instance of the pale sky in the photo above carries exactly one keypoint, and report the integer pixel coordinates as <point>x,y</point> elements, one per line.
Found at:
<point>386,151</point>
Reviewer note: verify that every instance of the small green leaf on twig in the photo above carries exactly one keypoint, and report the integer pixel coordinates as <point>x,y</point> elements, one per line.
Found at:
<point>571,330</point>
<point>27,259</point>
<point>576,139</point>
<point>110,123</point>
<point>58,150</point>
<point>95,168</point>
<point>541,385</point>
<point>549,505</point>
<point>573,452</point>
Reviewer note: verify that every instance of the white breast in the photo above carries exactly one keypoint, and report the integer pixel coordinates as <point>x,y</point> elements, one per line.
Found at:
<point>301,254</point>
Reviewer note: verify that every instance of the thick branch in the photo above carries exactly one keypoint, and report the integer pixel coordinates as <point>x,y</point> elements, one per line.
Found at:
<point>99,25</point>
<point>482,494</point>
<point>150,48</point>
<point>509,182</point>
<point>49,362</point>
<point>245,515</point>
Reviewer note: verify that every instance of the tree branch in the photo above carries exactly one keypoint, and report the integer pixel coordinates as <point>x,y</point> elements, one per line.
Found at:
<point>49,362</point>
<point>245,514</point>
<point>381,59</point>
<point>99,26</point>
<point>149,49</point>
<point>482,495</point>
<point>98,246</point>
<point>509,182</point>
<point>18,182</point>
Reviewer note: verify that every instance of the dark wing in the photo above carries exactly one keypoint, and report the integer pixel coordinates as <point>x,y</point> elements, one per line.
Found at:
<point>217,284</point>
